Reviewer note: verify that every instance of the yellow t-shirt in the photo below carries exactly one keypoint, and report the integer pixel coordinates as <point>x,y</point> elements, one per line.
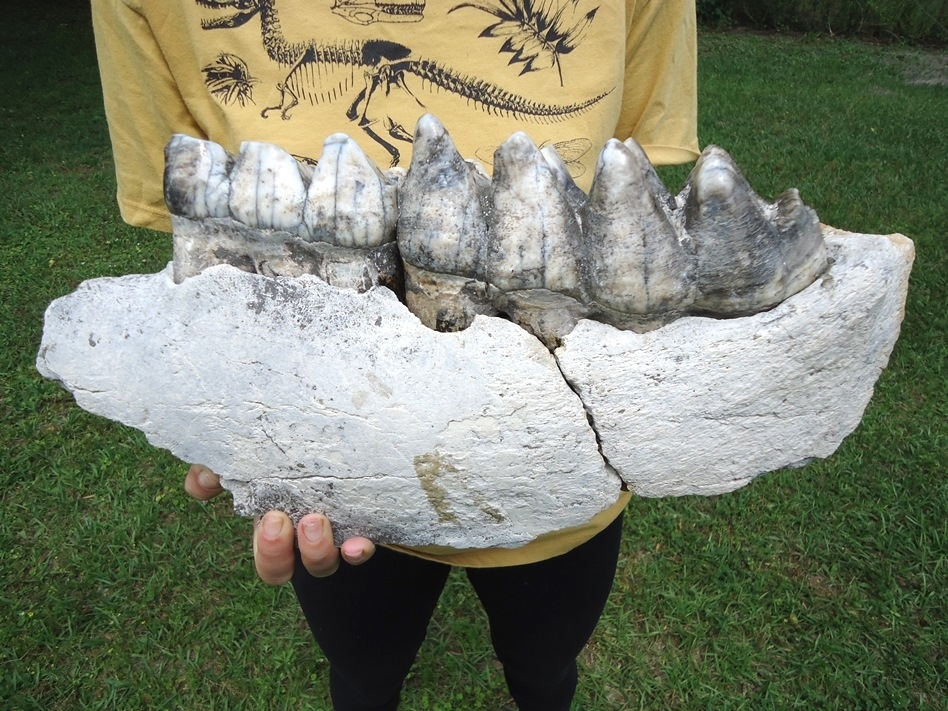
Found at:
<point>570,73</point>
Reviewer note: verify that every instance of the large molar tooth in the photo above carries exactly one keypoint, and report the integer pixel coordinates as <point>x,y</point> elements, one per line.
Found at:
<point>738,250</point>
<point>441,223</point>
<point>196,182</point>
<point>267,188</point>
<point>533,255</point>
<point>349,202</point>
<point>442,232</point>
<point>535,237</point>
<point>642,274</point>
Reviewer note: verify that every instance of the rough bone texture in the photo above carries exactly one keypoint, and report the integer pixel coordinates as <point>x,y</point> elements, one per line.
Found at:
<point>311,397</point>
<point>306,397</point>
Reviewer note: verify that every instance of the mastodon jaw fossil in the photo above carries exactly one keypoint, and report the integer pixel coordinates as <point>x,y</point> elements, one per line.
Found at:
<point>529,244</point>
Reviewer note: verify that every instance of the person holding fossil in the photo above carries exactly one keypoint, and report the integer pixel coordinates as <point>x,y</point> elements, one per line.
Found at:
<point>572,73</point>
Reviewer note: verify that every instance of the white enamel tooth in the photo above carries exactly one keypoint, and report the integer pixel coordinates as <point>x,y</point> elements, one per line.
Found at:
<point>535,235</point>
<point>639,266</point>
<point>801,237</point>
<point>441,224</point>
<point>267,188</point>
<point>196,182</point>
<point>349,202</point>
<point>738,250</point>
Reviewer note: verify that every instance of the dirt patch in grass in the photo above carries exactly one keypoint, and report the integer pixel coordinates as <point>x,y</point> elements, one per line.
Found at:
<point>926,68</point>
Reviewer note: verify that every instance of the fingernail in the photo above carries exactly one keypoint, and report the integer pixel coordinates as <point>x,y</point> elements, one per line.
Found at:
<point>207,480</point>
<point>272,525</point>
<point>313,530</point>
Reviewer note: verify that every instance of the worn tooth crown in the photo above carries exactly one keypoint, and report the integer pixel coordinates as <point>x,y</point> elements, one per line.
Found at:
<point>534,240</point>
<point>441,221</point>
<point>196,181</point>
<point>737,247</point>
<point>639,265</point>
<point>349,202</point>
<point>266,188</point>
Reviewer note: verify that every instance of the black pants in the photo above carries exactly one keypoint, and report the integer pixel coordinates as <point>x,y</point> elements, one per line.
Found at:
<point>370,620</point>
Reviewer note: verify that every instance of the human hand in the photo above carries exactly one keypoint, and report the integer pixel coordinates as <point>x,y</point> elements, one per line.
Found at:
<point>274,535</point>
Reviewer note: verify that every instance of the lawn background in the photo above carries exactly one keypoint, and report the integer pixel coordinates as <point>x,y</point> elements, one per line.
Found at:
<point>823,587</point>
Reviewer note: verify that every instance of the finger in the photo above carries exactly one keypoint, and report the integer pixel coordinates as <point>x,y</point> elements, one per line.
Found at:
<point>356,551</point>
<point>202,483</point>
<point>273,548</point>
<point>317,550</point>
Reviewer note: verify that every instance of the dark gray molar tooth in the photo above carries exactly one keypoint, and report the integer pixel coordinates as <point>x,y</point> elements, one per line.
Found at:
<point>739,255</point>
<point>196,180</point>
<point>641,271</point>
<point>750,255</point>
<point>349,201</point>
<point>266,188</point>
<point>442,231</point>
<point>442,205</point>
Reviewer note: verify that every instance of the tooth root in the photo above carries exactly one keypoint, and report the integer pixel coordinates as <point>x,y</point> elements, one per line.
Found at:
<point>349,202</point>
<point>638,264</point>
<point>196,182</point>
<point>267,189</point>
<point>441,224</point>
<point>534,232</point>
<point>804,251</point>
<point>739,254</point>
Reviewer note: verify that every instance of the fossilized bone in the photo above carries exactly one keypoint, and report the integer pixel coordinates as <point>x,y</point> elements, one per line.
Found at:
<point>325,393</point>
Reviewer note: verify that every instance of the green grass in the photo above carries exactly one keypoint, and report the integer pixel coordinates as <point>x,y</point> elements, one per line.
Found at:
<point>824,587</point>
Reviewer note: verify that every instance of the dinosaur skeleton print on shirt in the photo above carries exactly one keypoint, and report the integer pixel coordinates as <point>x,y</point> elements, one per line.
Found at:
<point>383,84</point>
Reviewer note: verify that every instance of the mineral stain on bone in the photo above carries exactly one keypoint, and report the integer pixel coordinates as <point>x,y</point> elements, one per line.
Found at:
<point>430,468</point>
